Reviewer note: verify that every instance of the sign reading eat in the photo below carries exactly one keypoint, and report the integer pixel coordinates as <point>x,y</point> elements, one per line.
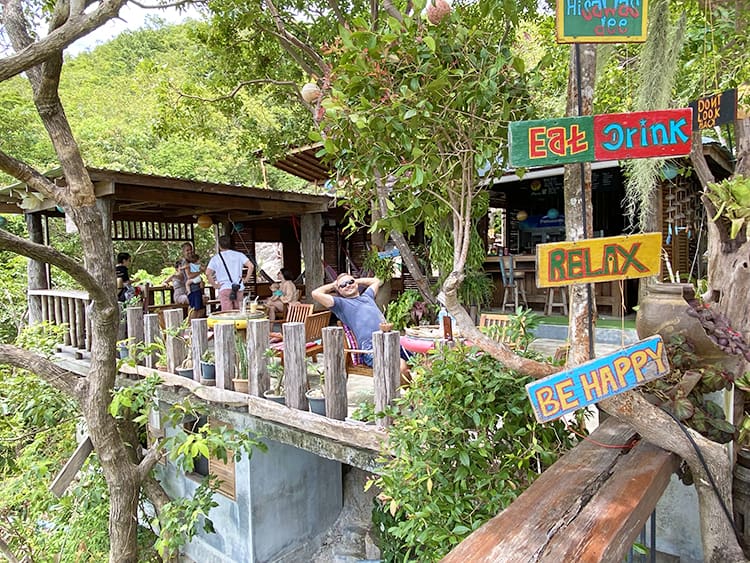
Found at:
<point>642,134</point>
<point>594,381</point>
<point>598,260</point>
<point>601,21</point>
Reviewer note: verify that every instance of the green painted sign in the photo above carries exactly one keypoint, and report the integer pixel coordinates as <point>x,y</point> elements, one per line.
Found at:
<point>601,21</point>
<point>551,141</point>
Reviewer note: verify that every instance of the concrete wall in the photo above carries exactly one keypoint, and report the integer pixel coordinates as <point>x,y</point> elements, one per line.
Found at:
<point>284,498</point>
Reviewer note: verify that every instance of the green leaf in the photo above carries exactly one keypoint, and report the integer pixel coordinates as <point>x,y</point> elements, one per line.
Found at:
<point>410,113</point>
<point>430,42</point>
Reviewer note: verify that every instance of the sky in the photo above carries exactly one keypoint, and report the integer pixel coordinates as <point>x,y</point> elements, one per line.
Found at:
<point>131,18</point>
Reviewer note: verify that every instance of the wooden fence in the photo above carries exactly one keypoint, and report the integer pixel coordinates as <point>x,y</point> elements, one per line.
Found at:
<point>66,307</point>
<point>386,369</point>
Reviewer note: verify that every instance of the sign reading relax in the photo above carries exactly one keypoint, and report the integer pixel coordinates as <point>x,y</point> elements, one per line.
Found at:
<point>594,381</point>
<point>615,136</point>
<point>598,260</point>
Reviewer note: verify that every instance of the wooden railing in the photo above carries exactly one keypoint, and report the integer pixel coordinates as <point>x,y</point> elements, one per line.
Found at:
<point>589,506</point>
<point>61,306</point>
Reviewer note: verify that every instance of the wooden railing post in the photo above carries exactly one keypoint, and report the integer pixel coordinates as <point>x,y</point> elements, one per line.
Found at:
<point>295,371</point>
<point>258,380</point>
<point>151,334</point>
<point>199,344</point>
<point>134,319</point>
<point>334,368</point>
<point>175,346</point>
<point>224,348</point>
<point>386,372</point>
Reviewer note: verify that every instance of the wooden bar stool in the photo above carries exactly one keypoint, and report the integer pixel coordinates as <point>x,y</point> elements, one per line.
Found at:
<point>561,302</point>
<point>513,282</point>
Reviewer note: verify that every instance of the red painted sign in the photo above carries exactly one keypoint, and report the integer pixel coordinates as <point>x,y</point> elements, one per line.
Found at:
<point>643,134</point>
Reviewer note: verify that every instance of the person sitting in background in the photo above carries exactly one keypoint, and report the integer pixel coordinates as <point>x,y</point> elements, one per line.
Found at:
<point>282,294</point>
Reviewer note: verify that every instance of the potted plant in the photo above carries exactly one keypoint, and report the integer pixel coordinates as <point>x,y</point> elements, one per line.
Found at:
<point>185,369</point>
<point>208,368</point>
<point>240,381</point>
<point>276,370</point>
<point>316,397</point>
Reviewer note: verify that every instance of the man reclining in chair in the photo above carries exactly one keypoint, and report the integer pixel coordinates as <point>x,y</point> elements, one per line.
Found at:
<point>359,312</point>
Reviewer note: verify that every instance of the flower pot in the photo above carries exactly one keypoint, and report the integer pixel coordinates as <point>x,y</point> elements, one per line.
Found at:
<point>122,352</point>
<point>208,371</point>
<point>316,401</point>
<point>240,385</point>
<point>663,311</point>
<point>184,372</point>
<point>280,399</point>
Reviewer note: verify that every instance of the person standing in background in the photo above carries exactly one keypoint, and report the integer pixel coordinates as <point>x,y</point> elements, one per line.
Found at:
<point>224,272</point>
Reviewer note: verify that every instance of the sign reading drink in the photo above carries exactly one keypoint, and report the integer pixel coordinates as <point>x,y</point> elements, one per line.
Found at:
<point>642,134</point>
<point>598,260</point>
<point>599,379</point>
<point>601,21</point>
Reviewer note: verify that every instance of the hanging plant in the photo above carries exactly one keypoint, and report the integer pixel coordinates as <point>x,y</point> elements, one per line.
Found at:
<point>731,198</point>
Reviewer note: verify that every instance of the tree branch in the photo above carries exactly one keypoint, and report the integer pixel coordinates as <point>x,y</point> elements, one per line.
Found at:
<point>296,42</point>
<point>74,28</point>
<point>28,175</point>
<point>43,253</point>
<point>240,86</point>
<point>61,379</point>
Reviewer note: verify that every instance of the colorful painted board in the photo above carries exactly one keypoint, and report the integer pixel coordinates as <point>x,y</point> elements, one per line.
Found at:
<point>642,134</point>
<point>567,391</point>
<point>711,111</point>
<point>598,260</point>
<point>601,21</point>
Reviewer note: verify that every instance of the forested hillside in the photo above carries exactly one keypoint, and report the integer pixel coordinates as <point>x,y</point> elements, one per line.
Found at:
<point>121,98</point>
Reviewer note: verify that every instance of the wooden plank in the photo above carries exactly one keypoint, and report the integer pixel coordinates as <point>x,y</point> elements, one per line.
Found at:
<point>198,344</point>
<point>295,370</point>
<point>598,260</point>
<point>601,22</point>
<point>386,371</point>
<point>586,384</point>
<point>224,349</point>
<point>522,531</point>
<point>334,368</point>
<point>151,334</point>
<point>71,468</point>
<point>134,317</point>
<point>175,346</point>
<point>610,522</point>
<point>258,378</point>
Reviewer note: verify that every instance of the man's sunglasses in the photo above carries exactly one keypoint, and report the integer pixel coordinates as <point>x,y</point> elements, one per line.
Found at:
<point>346,283</point>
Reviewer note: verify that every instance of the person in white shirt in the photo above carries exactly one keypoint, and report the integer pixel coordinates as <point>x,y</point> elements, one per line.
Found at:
<point>224,271</point>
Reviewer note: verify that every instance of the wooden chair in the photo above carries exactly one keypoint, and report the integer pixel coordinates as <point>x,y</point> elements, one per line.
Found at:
<point>501,334</point>
<point>314,325</point>
<point>354,365</point>
<point>298,312</point>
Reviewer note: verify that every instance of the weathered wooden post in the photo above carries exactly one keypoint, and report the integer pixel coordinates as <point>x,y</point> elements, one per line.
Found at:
<point>224,349</point>
<point>134,319</point>
<point>175,346</point>
<point>198,344</point>
<point>257,364</point>
<point>334,368</point>
<point>386,370</point>
<point>295,371</point>
<point>151,334</point>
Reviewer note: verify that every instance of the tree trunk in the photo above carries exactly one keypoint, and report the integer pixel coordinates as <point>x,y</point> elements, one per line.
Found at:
<point>578,205</point>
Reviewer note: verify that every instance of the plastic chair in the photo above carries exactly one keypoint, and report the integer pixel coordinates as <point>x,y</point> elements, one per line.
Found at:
<point>513,283</point>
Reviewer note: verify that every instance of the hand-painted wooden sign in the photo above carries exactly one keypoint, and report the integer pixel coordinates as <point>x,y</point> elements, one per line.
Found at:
<point>598,260</point>
<point>718,109</point>
<point>601,21</point>
<point>642,134</point>
<point>599,379</point>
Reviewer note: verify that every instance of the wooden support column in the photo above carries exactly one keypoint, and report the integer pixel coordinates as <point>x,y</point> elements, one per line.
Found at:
<point>386,370</point>
<point>224,348</point>
<point>134,317</point>
<point>334,368</point>
<point>295,371</point>
<point>36,272</point>
<point>312,243</point>
<point>257,364</point>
